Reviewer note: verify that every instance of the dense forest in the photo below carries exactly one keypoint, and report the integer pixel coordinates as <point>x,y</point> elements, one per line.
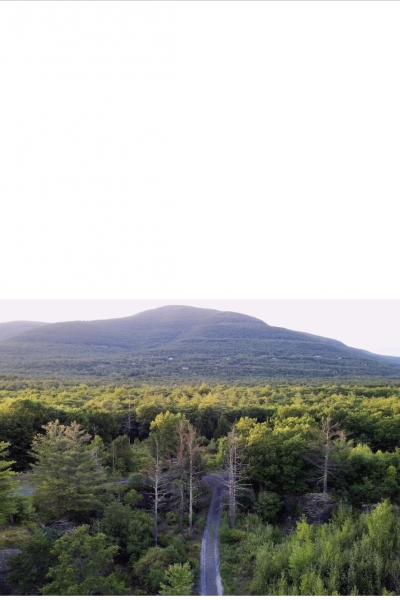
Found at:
<point>102,488</point>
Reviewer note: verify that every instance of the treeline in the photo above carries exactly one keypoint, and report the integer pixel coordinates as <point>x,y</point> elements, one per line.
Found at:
<point>282,423</point>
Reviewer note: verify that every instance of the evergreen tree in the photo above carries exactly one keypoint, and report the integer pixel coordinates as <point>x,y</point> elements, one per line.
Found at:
<point>84,566</point>
<point>67,473</point>
<point>131,529</point>
<point>178,581</point>
<point>7,484</point>
<point>29,569</point>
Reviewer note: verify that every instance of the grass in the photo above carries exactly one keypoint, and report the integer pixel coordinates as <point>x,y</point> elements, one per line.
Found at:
<point>13,536</point>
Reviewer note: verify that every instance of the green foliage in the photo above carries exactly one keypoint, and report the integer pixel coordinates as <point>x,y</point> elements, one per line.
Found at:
<point>84,566</point>
<point>178,581</point>
<point>165,427</point>
<point>149,570</point>
<point>355,552</point>
<point>268,506</point>
<point>14,536</point>
<point>21,419</point>
<point>7,485</point>
<point>350,555</point>
<point>120,457</point>
<point>131,529</point>
<point>275,454</point>
<point>67,475</point>
<point>29,569</point>
<point>23,510</point>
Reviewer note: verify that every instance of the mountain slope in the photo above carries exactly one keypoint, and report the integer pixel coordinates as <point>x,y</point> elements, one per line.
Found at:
<point>179,342</point>
<point>15,328</point>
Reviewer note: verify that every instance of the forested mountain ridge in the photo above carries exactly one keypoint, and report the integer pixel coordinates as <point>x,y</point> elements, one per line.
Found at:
<point>186,343</point>
<point>15,328</point>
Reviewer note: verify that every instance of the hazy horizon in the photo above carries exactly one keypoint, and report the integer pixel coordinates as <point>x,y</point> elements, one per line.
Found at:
<point>368,324</point>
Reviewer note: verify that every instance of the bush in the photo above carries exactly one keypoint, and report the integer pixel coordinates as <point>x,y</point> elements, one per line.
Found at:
<point>149,570</point>
<point>269,506</point>
<point>230,536</point>
<point>178,581</point>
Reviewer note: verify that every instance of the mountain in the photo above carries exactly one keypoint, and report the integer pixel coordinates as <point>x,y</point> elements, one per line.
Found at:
<point>176,343</point>
<point>14,328</point>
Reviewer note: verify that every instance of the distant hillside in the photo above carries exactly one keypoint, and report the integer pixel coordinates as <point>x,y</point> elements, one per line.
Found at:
<point>15,328</point>
<point>176,343</point>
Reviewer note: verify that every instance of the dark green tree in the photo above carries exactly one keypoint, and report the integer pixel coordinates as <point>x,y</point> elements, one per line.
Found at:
<point>84,566</point>
<point>29,569</point>
<point>149,571</point>
<point>131,529</point>
<point>67,474</point>
<point>7,484</point>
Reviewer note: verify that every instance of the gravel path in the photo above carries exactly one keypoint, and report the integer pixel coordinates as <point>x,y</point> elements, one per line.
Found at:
<point>210,579</point>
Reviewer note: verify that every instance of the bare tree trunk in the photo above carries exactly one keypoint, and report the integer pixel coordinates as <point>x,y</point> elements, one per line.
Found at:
<point>233,475</point>
<point>181,469</point>
<point>192,449</point>
<point>190,491</point>
<point>113,455</point>
<point>129,422</point>
<point>326,465</point>
<point>157,474</point>
<point>330,433</point>
<point>181,505</point>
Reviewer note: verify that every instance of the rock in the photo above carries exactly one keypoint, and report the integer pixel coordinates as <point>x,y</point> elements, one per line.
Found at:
<point>59,528</point>
<point>317,508</point>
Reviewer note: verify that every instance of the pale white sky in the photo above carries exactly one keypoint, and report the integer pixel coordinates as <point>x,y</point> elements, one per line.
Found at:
<point>369,324</point>
<point>199,149</point>
<point>202,150</point>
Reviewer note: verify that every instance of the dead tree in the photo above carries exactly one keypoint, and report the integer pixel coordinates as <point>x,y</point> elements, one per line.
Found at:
<point>185,470</point>
<point>331,432</point>
<point>157,478</point>
<point>235,470</point>
<point>113,456</point>
<point>193,450</point>
<point>180,468</point>
<point>128,423</point>
<point>321,451</point>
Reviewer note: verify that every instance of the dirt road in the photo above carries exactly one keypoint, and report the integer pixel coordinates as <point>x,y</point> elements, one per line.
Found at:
<point>210,578</point>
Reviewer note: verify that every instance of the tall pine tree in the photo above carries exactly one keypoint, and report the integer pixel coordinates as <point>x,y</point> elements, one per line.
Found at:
<point>67,473</point>
<point>7,484</point>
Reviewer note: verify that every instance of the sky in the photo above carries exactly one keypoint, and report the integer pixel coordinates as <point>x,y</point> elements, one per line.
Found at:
<point>199,149</point>
<point>368,324</point>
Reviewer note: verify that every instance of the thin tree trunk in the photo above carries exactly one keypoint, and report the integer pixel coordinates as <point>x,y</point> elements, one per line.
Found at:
<point>181,505</point>
<point>113,455</point>
<point>129,422</point>
<point>156,492</point>
<point>326,469</point>
<point>181,467</point>
<point>232,477</point>
<point>190,490</point>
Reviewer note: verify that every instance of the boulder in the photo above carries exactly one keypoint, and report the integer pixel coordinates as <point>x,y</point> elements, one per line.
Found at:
<point>317,508</point>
